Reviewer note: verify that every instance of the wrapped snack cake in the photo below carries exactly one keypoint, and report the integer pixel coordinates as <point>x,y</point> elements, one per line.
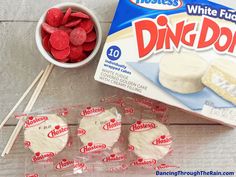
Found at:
<point>45,134</point>
<point>100,128</point>
<point>150,140</point>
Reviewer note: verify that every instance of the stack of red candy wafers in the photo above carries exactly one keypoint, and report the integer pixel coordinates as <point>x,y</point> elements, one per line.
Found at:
<point>70,36</point>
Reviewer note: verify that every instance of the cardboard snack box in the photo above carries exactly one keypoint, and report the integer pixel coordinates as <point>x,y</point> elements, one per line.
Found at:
<point>180,52</point>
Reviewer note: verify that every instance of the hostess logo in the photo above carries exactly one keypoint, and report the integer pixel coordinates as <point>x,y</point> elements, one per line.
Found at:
<point>141,162</point>
<point>35,121</point>
<point>64,164</point>
<point>58,131</point>
<point>140,126</point>
<point>38,157</point>
<point>92,111</point>
<point>158,4</point>
<point>92,147</point>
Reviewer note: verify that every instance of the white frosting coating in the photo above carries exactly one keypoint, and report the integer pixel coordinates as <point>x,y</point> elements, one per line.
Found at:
<point>46,133</point>
<point>144,141</point>
<point>182,72</point>
<point>103,128</point>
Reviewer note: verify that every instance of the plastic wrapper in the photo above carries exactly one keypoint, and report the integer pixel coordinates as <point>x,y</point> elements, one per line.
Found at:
<point>114,135</point>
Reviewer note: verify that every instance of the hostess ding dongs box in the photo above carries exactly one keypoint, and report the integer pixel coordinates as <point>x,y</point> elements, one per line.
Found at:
<point>180,52</point>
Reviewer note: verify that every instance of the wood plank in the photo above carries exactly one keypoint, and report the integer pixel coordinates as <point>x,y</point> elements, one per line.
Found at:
<point>21,62</point>
<point>29,10</point>
<point>195,148</point>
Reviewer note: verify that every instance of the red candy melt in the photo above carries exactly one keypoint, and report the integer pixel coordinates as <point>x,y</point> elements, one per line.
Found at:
<point>46,44</point>
<point>80,58</point>
<point>87,25</point>
<point>75,52</point>
<point>49,29</point>
<point>66,16</point>
<point>80,15</point>
<point>67,30</point>
<point>91,37</point>
<point>88,47</point>
<point>65,60</point>
<point>60,54</point>
<point>68,37</point>
<point>59,40</point>
<point>54,17</point>
<point>73,23</point>
<point>43,33</point>
<point>78,36</point>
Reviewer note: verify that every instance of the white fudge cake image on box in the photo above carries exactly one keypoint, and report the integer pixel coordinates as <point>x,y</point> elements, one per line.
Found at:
<point>102,128</point>
<point>150,139</point>
<point>46,133</point>
<point>182,72</point>
<point>221,78</point>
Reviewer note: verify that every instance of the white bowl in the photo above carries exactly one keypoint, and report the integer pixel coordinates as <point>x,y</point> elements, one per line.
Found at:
<point>63,7</point>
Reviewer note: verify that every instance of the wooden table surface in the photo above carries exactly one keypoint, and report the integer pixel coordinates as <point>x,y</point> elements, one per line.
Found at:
<point>199,144</point>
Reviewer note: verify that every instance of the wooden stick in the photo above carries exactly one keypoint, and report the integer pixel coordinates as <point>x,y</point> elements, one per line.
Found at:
<point>28,109</point>
<point>17,126</point>
<point>39,88</point>
<point>31,103</point>
<point>21,99</point>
